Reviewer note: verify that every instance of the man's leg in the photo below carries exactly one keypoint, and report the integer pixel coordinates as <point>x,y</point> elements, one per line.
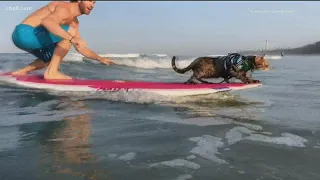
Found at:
<point>35,65</point>
<point>61,50</point>
<point>59,53</point>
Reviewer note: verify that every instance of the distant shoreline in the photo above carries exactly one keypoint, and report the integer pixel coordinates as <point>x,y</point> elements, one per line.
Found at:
<point>309,49</point>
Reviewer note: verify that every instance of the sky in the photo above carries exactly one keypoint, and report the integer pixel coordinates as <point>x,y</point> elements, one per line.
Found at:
<point>186,27</point>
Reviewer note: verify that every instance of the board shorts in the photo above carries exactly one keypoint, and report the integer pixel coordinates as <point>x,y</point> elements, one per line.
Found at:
<point>37,41</point>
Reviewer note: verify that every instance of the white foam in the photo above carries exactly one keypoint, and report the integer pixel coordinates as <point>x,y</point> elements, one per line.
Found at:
<point>191,157</point>
<point>184,177</point>
<point>178,163</point>
<point>159,55</point>
<point>241,133</point>
<point>129,55</point>
<point>286,139</point>
<point>150,63</point>
<point>123,96</point>
<point>236,134</point>
<point>207,147</point>
<point>267,133</point>
<point>128,156</point>
<point>250,126</point>
<point>112,155</point>
<point>73,57</point>
<point>77,57</point>
<point>241,172</point>
<point>206,98</point>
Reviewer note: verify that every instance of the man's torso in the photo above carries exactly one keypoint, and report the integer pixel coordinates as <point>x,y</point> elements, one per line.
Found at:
<point>35,18</point>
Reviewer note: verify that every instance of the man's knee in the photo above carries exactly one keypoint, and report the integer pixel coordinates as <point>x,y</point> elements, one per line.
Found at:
<point>61,49</point>
<point>65,44</point>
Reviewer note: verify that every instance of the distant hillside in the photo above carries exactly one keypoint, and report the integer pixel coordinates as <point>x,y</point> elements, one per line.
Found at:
<point>310,49</point>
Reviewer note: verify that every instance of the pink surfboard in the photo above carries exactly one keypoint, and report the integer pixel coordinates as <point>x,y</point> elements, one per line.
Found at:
<point>84,85</point>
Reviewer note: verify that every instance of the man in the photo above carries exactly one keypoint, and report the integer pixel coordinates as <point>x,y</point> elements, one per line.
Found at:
<point>48,34</point>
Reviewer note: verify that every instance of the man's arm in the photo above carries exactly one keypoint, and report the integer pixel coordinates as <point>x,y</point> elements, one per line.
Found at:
<point>85,51</point>
<point>52,22</point>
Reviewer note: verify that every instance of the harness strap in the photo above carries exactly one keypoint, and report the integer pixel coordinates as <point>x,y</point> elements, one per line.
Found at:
<point>232,61</point>
<point>235,61</point>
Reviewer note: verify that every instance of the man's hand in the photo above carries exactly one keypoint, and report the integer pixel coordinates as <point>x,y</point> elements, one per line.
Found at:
<point>106,61</point>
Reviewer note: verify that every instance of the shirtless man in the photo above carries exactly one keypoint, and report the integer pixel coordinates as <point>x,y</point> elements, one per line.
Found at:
<point>48,34</point>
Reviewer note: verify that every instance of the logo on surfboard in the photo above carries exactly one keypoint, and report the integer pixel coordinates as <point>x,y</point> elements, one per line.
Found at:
<point>111,89</point>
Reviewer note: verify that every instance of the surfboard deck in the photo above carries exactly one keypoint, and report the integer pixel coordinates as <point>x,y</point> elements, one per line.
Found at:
<point>87,85</point>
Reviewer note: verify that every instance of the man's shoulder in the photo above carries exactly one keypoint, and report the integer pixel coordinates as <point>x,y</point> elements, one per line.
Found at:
<point>60,6</point>
<point>58,3</point>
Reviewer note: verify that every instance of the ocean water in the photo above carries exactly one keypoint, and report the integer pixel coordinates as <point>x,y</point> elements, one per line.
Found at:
<point>270,132</point>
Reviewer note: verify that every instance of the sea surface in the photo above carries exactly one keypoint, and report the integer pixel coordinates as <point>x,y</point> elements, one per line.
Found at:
<point>270,132</point>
